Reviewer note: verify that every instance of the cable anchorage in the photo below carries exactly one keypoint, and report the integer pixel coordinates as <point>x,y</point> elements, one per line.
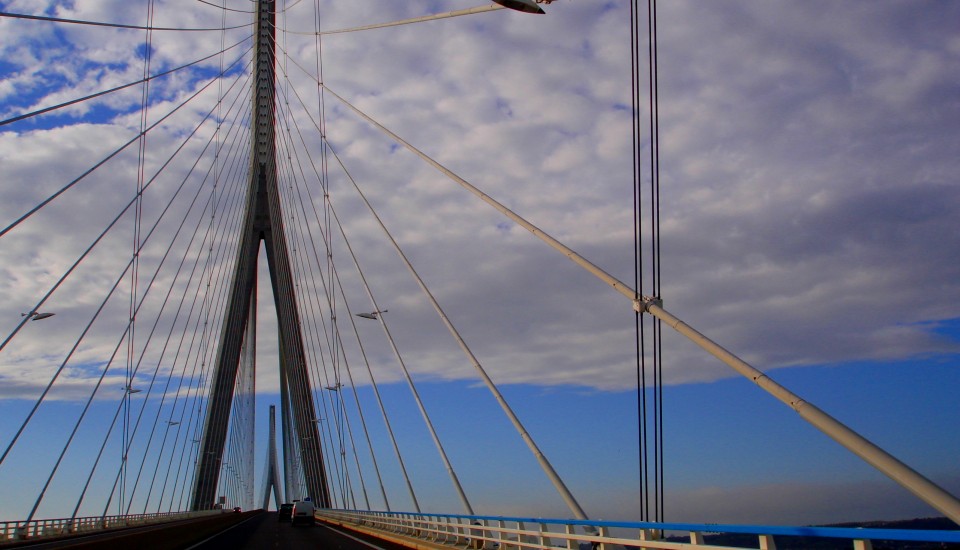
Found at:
<point>643,304</point>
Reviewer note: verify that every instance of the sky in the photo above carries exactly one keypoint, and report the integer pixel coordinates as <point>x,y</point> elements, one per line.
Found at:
<point>808,180</point>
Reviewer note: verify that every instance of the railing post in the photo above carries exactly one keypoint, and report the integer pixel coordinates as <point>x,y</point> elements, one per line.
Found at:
<point>426,529</point>
<point>571,543</point>
<point>463,534</point>
<point>437,530</point>
<point>862,544</point>
<point>544,536</point>
<point>604,532</point>
<point>447,528</point>
<point>454,530</point>
<point>477,535</point>
<point>766,542</point>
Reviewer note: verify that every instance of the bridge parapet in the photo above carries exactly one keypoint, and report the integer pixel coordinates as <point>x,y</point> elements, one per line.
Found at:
<point>434,531</point>
<point>16,531</point>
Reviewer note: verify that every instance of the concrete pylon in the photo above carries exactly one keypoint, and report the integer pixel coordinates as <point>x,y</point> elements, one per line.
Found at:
<point>271,479</point>
<point>248,393</point>
<point>263,222</point>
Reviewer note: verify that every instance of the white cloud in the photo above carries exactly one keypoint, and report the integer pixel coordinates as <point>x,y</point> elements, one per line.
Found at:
<point>795,158</point>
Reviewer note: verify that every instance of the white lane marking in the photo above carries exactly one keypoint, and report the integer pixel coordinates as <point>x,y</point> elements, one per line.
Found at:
<point>349,536</point>
<point>215,535</point>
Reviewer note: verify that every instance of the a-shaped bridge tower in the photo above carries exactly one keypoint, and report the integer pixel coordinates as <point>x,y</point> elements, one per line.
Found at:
<point>262,223</point>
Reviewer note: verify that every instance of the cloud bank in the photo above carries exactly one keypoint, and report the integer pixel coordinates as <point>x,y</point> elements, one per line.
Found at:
<point>807,166</point>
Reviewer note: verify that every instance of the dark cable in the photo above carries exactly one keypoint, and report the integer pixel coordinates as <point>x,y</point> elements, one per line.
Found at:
<point>164,304</point>
<point>329,291</point>
<point>116,415</point>
<point>46,201</point>
<point>124,402</point>
<point>50,292</point>
<point>83,256</point>
<point>342,424</point>
<point>113,25</point>
<point>135,261</point>
<point>118,88</point>
<point>225,8</point>
<point>382,408</point>
<point>639,337</point>
<point>211,200</point>
<point>211,236</point>
<point>655,253</point>
<point>218,298</point>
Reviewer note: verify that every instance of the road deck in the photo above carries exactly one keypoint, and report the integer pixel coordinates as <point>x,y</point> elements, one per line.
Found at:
<point>263,531</point>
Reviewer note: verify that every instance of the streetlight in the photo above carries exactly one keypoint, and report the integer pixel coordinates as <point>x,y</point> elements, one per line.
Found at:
<point>131,390</point>
<point>335,387</point>
<point>528,6</point>
<point>371,315</point>
<point>37,316</point>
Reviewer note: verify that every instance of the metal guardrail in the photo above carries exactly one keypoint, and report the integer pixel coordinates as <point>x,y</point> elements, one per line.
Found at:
<point>51,528</point>
<point>503,533</point>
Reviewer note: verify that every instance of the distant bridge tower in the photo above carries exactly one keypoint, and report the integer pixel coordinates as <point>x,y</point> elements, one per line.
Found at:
<point>262,222</point>
<point>271,479</point>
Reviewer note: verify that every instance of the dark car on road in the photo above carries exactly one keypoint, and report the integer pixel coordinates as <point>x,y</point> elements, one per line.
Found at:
<point>285,512</point>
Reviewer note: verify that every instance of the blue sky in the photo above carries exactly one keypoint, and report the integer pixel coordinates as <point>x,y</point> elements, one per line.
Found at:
<point>809,184</point>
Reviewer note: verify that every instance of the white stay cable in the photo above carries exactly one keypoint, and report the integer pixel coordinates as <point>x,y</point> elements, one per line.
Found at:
<point>883,461</point>
<point>413,388</point>
<point>445,15</point>
<point>376,390</point>
<point>545,465</point>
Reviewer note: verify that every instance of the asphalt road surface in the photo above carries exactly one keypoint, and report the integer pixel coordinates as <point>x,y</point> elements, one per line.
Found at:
<point>264,531</point>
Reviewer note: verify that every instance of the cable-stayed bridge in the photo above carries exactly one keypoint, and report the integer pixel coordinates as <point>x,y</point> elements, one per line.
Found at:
<point>145,413</point>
